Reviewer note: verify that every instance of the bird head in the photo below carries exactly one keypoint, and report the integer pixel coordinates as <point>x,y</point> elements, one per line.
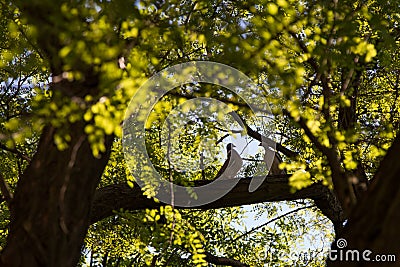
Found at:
<point>229,147</point>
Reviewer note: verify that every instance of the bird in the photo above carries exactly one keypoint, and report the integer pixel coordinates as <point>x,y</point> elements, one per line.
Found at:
<point>272,159</point>
<point>232,164</point>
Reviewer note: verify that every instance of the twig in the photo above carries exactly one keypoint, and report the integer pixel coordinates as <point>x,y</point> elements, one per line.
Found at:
<point>15,151</point>
<point>256,135</point>
<point>254,160</point>
<point>5,191</point>
<point>271,221</point>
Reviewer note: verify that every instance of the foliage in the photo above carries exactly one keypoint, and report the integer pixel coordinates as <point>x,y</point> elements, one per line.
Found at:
<point>148,237</point>
<point>328,69</point>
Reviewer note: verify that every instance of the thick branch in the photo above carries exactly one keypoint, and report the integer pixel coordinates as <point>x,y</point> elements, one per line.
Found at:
<point>224,261</point>
<point>342,185</point>
<point>274,188</point>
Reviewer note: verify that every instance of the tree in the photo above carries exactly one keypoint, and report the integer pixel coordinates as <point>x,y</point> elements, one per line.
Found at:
<point>329,71</point>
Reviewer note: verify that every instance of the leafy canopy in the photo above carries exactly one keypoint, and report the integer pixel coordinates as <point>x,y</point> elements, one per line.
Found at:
<point>328,69</point>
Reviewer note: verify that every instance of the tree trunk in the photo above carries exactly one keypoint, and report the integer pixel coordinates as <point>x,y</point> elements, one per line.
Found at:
<point>50,210</point>
<point>374,223</point>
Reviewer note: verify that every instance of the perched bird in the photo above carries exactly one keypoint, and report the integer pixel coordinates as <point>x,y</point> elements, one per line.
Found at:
<point>272,159</point>
<point>232,165</point>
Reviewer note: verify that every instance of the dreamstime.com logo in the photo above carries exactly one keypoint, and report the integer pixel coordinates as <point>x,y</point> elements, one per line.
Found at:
<point>345,254</point>
<point>341,253</point>
<point>144,101</point>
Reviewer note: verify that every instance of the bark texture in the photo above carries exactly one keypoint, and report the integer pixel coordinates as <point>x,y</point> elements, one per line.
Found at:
<point>50,209</point>
<point>51,205</point>
<point>374,222</point>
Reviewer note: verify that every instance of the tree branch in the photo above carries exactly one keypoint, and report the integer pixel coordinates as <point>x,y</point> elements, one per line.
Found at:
<point>341,183</point>
<point>272,220</point>
<point>256,135</point>
<point>5,191</point>
<point>224,261</point>
<point>274,188</point>
<point>15,151</point>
